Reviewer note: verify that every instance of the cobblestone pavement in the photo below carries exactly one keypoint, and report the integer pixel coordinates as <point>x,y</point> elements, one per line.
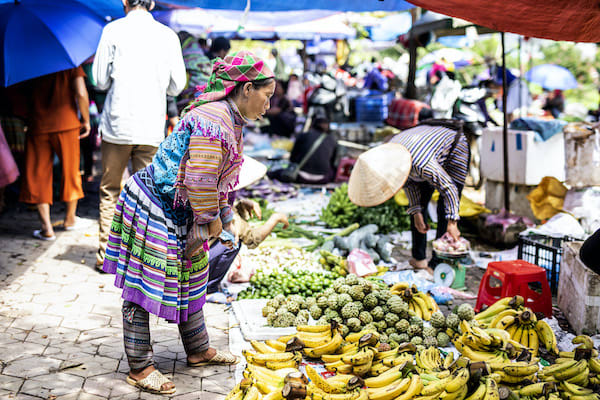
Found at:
<point>60,321</point>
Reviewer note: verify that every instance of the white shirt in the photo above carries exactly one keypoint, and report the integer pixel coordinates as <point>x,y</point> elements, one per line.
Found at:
<point>139,61</point>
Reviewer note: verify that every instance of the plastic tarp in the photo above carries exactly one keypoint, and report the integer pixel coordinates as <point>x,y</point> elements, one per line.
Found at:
<point>299,25</point>
<point>114,8</point>
<point>574,20</point>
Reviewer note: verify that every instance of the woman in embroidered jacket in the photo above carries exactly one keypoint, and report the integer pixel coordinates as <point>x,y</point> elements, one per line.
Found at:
<point>167,211</point>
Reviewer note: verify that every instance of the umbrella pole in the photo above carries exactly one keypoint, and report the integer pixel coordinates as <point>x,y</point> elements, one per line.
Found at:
<point>505,127</point>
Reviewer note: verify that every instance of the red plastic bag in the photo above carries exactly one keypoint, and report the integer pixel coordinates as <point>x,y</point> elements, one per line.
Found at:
<point>360,263</point>
<point>239,273</point>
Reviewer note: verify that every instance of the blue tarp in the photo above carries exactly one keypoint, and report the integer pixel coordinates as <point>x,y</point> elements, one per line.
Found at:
<point>114,8</point>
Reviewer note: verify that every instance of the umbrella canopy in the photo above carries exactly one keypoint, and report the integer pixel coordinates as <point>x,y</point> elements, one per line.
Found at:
<point>551,76</point>
<point>459,58</point>
<point>40,37</point>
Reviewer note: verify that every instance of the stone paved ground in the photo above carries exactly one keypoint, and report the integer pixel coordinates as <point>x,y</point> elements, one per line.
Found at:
<point>60,321</point>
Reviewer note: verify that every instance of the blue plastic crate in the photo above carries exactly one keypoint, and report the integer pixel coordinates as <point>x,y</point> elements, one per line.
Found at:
<point>372,108</point>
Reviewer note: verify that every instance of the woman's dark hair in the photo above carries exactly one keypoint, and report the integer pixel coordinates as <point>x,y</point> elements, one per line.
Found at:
<point>140,3</point>
<point>256,84</point>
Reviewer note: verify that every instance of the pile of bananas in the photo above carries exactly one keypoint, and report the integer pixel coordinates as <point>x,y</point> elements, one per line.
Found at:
<point>420,304</point>
<point>580,367</point>
<point>485,317</point>
<point>333,263</point>
<point>356,357</point>
<point>524,327</point>
<point>340,386</point>
<point>389,360</point>
<point>396,385</point>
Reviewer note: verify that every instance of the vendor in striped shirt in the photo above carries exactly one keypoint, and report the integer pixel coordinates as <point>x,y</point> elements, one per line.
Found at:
<point>433,155</point>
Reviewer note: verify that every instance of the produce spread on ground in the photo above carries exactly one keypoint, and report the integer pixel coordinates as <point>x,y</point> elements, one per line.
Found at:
<point>358,338</point>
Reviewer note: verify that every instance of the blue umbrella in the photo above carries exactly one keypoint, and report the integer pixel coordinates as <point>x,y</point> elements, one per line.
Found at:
<point>551,76</point>
<point>39,37</point>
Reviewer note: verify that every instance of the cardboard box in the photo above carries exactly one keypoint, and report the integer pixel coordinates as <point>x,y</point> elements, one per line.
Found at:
<point>578,291</point>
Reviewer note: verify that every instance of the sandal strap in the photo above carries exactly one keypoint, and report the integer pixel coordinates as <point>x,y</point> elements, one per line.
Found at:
<point>224,357</point>
<point>153,381</point>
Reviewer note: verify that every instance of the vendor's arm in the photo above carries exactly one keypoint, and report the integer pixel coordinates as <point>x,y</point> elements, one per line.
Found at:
<point>441,181</point>
<point>252,237</point>
<point>226,212</point>
<point>103,61</point>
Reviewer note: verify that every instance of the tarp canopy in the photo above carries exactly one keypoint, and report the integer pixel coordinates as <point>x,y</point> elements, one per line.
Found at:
<point>573,20</point>
<point>299,25</point>
<point>114,8</point>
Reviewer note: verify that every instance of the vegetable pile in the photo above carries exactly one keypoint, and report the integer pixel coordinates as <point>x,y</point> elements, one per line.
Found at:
<point>366,239</point>
<point>285,282</point>
<point>340,212</point>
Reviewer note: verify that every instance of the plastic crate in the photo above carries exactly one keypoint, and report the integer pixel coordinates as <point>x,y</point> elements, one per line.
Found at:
<point>544,251</point>
<point>373,108</point>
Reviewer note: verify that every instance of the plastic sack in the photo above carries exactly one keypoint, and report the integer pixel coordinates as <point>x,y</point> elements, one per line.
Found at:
<point>547,199</point>
<point>360,263</point>
<point>239,272</point>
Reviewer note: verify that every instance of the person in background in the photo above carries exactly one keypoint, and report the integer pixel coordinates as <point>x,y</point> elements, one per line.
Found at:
<point>319,168</point>
<point>219,47</point>
<point>197,66</point>
<point>295,90</point>
<point>139,62</point>
<point>589,253</point>
<point>8,168</point>
<point>279,69</point>
<point>375,80</point>
<point>282,117</point>
<point>555,103</point>
<point>54,127</point>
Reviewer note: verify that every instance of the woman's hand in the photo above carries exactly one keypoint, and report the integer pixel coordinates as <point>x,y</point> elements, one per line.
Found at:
<point>453,230</point>
<point>420,224</point>
<point>215,227</point>
<point>282,218</point>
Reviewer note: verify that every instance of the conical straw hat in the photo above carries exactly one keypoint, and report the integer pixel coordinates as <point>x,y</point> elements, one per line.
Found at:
<point>251,172</point>
<point>378,174</point>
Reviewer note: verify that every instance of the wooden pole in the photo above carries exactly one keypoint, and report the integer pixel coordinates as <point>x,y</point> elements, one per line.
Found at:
<point>505,128</point>
<point>411,89</point>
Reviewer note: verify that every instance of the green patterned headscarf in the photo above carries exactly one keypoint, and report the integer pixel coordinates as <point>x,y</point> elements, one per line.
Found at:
<point>241,66</point>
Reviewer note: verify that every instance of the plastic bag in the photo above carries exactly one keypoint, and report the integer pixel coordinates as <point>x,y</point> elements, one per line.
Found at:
<point>240,272</point>
<point>360,263</point>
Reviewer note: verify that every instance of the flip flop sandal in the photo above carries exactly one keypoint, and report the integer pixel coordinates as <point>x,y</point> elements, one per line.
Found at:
<point>39,234</point>
<point>221,358</point>
<point>152,383</point>
<point>79,224</point>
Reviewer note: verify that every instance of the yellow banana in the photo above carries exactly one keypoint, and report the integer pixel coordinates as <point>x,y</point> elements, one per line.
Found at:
<point>346,348</point>
<point>252,393</point>
<point>422,304</point>
<point>546,336</point>
<point>313,328</point>
<point>284,339</point>
<point>276,395</point>
<point>235,394</point>
<point>459,394</point>
<point>378,369</point>
<point>436,387</point>
<point>575,389</point>
<point>575,370</point>
<point>414,307</point>
<point>478,394</point>
<point>265,388</point>
<point>460,379</point>
<point>448,360</point>
<point>535,389</point>
<point>491,390</point>
<point>361,370</point>
<point>339,367</point>
<point>324,384</point>
<point>277,345</point>
<point>555,368</point>
<point>521,368</point>
<point>293,363</point>
<point>363,356</point>
<point>481,335</point>
<point>401,359</point>
<point>534,343</point>
<point>584,341</point>
<point>414,388</point>
<point>355,337</point>
<point>385,378</point>
<point>518,333</point>
<point>391,391</point>
<point>506,314</point>
<point>263,358</point>
<point>328,348</point>
<point>512,329</point>
<point>594,365</point>
<point>329,358</point>
<point>399,286</point>
<point>494,309</point>
<point>581,379</point>
<point>262,347</point>
<point>385,354</point>
<point>525,336</point>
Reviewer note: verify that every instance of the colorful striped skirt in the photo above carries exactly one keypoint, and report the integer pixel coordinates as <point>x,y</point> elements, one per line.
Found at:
<point>145,251</point>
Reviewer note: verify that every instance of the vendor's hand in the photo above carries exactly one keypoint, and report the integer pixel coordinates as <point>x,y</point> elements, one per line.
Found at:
<point>215,227</point>
<point>453,230</point>
<point>251,206</point>
<point>85,130</point>
<point>282,218</point>
<point>229,227</point>
<point>420,224</point>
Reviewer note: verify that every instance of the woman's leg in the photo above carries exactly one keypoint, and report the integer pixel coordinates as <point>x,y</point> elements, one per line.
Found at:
<point>419,240</point>
<point>195,338</point>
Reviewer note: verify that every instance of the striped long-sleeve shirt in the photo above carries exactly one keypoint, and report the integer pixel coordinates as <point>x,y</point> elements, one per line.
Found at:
<point>429,147</point>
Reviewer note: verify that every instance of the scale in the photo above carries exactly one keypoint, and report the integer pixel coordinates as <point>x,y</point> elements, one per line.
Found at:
<point>450,269</point>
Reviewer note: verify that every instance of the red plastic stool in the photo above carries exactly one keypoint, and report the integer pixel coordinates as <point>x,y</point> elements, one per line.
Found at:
<point>515,278</point>
<point>344,169</point>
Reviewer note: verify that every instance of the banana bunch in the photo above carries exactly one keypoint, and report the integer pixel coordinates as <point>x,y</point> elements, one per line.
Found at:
<point>516,373</point>
<point>384,361</point>
<point>477,344</point>
<point>340,211</point>
<point>485,317</point>
<point>268,383</point>
<point>395,385</point>
<point>525,329</point>
<point>420,304</point>
<point>340,386</point>
<point>331,262</point>
<point>355,357</point>
<point>452,386</point>
<point>431,361</point>
<point>248,390</point>
<point>274,361</point>
<point>317,340</point>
